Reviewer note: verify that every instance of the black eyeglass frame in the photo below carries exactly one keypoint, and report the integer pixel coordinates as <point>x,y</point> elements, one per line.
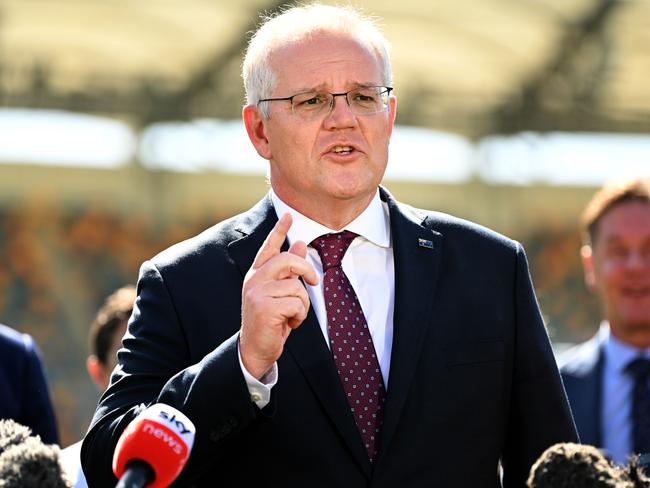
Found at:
<point>387,91</point>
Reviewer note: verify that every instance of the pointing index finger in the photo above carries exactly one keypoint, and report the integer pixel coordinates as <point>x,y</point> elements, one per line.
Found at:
<point>273,242</point>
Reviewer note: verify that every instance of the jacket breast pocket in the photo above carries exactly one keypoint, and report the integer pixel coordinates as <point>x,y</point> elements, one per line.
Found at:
<point>474,352</point>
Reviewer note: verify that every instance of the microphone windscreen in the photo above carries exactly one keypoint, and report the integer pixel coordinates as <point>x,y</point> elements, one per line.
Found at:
<point>12,433</point>
<point>568,465</point>
<point>32,464</point>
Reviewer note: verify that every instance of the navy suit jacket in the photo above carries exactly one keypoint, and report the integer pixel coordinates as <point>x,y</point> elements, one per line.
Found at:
<point>24,396</point>
<point>581,368</point>
<point>472,376</point>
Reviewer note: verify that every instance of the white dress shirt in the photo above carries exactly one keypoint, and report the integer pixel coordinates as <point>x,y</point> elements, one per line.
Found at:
<point>616,414</point>
<point>368,264</point>
<point>71,464</point>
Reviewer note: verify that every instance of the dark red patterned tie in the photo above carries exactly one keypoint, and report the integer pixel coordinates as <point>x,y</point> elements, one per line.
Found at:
<point>351,342</point>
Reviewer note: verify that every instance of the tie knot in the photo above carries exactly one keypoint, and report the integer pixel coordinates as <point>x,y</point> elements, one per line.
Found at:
<point>332,247</point>
<point>639,368</point>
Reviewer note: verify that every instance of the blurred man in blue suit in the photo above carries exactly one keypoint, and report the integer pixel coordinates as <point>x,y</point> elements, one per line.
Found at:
<point>606,378</point>
<point>24,396</point>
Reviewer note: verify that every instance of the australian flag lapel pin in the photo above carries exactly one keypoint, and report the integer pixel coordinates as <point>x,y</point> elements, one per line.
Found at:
<point>425,243</point>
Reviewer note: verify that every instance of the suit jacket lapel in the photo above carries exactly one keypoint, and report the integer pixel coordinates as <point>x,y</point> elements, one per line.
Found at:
<point>593,387</point>
<point>417,252</point>
<point>598,400</point>
<point>306,344</point>
<point>584,389</point>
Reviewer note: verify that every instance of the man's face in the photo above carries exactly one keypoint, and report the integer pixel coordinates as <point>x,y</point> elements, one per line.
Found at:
<point>618,268</point>
<point>306,172</point>
<point>99,372</point>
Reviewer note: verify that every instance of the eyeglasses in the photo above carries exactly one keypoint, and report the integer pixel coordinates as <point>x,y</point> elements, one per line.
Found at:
<point>365,100</point>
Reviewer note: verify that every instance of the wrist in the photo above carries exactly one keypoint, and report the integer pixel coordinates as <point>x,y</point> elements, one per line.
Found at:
<point>256,367</point>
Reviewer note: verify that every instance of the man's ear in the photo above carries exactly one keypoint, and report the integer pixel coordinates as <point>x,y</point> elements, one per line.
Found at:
<point>587,255</point>
<point>392,113</point>
<point>97,373</point>
<point>256,128</point>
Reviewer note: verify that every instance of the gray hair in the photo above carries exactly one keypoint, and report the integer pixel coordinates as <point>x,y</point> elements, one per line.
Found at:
<point>302,22</point>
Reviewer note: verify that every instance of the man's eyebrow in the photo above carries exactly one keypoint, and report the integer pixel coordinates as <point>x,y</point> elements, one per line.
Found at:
<point>310,89</point>
<point>356,85</point>
<point>614,239</point>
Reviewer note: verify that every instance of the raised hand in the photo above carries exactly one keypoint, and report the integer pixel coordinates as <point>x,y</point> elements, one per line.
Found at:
<point>274,301</point>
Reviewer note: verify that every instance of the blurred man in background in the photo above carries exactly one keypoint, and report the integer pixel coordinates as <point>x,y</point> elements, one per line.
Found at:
<point>106,334</point>
<point>606,378</point>
<point>24,395</point>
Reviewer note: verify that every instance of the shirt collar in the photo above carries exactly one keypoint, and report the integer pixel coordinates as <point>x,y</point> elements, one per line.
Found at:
<point>372,223</point>
<point>618,354</point>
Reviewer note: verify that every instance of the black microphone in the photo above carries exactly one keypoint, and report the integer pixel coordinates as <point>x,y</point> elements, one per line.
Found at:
<point>154,448</point>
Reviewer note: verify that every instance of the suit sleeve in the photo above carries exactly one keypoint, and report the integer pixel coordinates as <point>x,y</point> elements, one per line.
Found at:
<point>38,413</point>
<point>539,412</point>
<point>155,366</point>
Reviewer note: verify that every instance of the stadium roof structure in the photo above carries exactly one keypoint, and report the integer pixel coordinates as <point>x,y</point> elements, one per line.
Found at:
<point>466,66</point>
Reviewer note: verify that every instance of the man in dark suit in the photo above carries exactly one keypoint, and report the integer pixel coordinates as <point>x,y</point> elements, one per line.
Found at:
<point>606,376</point>
<point>24,396</point>
<point>332,336</point>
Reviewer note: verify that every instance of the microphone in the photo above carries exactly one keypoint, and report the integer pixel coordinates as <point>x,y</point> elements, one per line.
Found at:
<point>568,465</point>
<point>26,461</point>
<point>154,448</point>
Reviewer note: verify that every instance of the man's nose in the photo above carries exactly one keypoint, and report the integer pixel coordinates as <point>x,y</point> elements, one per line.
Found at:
<point>637,260</point>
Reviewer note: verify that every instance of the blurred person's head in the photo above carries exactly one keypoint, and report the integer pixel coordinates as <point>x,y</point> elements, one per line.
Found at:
<point>26,462</point>
<point>319,108</point>
<point>616,257</point>
<point>106,334</point>
<point>569,465</point>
